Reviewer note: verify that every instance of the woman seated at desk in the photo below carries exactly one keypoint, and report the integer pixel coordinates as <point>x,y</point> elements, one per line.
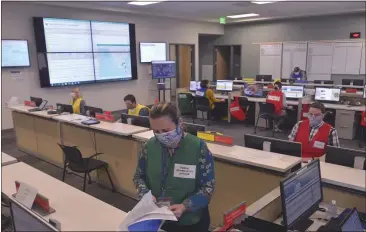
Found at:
<point>314,134</point>
<point>163,165</point>
<point>218,106</point>
<point>77,102</point>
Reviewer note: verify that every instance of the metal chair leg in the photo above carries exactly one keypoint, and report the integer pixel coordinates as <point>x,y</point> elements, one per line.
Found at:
<point>255,127</point>
<point>89,182</point>
<point>110,179</point>
<point>84,182</point>
<point>64,173</point>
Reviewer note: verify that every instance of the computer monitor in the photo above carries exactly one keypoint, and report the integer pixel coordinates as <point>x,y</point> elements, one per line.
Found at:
<point>193,128</point>
<point>327,94</point>
<point>224,85</point>
<point>344,156</point>
<point>328,82</point>
<point>358,82</point>
<point>293,91</point>
<point>318,81</point>
<point>36,100</point>
<point>346,82</point>
<point>277,145</point>
<point>24,219</point>
<point>142,121</point>
<point>352,222</point>
<point>254,90</point>
<point>301,193</point>
<point>194,85</point>
<point>364,92</point>
<point>267,78</point>
<point>283,80</point>
<point>163,69</point>
<point>90,111</point>
<point>64,108</point>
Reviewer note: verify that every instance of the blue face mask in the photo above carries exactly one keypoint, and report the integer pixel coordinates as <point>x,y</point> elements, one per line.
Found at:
<point>315,120</point>
<point>170,139</point>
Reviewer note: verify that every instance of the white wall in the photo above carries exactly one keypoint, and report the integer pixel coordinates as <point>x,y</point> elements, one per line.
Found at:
<point>17,24</point>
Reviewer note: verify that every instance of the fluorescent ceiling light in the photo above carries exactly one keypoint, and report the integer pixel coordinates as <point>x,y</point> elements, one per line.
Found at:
<point>265,2</point>
<point>242,16</point>
<point>141,3</point>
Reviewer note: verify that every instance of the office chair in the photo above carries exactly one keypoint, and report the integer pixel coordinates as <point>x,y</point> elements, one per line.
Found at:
<point>328,117</point>
<point>203,105</point>
<point>245,104</point>
<point>76,163</point>
<point>267,112</point>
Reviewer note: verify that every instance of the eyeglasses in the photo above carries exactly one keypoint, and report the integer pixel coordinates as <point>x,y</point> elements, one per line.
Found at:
<point>315,115</point>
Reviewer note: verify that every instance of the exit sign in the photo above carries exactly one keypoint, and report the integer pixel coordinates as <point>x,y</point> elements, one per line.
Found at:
<point>222,20</point>
<point>355,35</point>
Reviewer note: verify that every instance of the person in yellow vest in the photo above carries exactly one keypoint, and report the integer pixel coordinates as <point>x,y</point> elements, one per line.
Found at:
<point>77,102</point>
<point>134,108</point>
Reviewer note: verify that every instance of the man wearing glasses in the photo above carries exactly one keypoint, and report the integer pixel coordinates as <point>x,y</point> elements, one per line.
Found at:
<point>314,134</point>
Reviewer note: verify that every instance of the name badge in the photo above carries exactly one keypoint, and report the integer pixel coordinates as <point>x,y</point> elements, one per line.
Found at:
<point>319,145</point>
<point>273,98</point>
<point>185,171</point>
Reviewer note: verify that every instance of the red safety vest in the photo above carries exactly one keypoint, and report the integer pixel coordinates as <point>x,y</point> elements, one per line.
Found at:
<point>316,146</point>
<point>276,98</point>
<point>363,119</point>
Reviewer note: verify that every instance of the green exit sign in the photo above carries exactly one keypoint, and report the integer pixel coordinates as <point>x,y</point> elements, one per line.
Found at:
<point>222,20</point>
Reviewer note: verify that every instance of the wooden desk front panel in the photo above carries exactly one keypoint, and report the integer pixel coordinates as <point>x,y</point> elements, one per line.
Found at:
<point>235,184</point>
<point>25,132</point>
<point>121,154</point>
<point>344,199</point>
<point>81,137</point>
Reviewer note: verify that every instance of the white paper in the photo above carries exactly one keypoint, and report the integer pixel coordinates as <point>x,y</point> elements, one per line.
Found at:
<point>26,195</point>
<point>13,101</point>
<point>267,146</point>
<point>146,209</point>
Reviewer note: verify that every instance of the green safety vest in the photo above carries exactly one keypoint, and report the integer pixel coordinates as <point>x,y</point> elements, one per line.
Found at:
<point>178,189</point>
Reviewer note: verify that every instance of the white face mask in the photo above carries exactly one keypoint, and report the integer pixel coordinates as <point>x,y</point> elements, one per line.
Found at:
<point>73,95</point>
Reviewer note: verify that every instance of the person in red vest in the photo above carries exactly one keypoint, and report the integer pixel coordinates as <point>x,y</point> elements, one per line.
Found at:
<point>314,134</point>
<point>278,99</point>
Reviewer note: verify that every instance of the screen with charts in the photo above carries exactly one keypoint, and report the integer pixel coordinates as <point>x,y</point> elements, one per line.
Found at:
<point>293,91</point>
<point>327,94</point>
<point>72,52</point>
<point>194,85</point>
<point>152,52</point>
<point>253,90</point>
<point>14,53</point>
<point>223,85</point>
<point>163,69</point>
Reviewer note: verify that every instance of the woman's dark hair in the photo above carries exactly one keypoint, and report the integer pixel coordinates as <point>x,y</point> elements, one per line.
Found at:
<point>165,109</point>
<point>130,97</point>
<point>279,84</point>
<point>204,84</point>
<point>318,105</point>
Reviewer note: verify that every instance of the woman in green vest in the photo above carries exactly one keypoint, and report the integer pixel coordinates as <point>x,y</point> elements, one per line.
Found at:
<point>178,168</point>
<point>77,102</point>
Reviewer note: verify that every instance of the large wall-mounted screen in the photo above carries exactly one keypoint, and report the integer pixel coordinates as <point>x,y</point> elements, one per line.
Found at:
<point>152,52</point>
<point>14,53</point>
<point>72,52</point>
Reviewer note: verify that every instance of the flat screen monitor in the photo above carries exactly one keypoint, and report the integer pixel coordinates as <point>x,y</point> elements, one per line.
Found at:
<point>346,82</point>
<point>163,69</point>
<point>142,121</point>
<point>301,193</point>
<point>224,85</point>
<point>364,92</point>
<point>152,52</point>
<point>267,78</point>
<point>327,94</point>
<point>352,222</point>
<point>194,85</point>
<point>344,156</point>
<point>253,90</point>
<point>276,145</point>
<point>73,52</point>
<point>90,111</point>
<point>25,220</point>
<point>357,82</point>
<point>14,53</point>
<point>64,108</point>
<point>293,91</point>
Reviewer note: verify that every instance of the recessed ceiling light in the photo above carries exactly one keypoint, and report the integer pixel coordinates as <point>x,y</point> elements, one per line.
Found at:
<point>266,2</point>
<point>142,3</point>
<point>242,16</point>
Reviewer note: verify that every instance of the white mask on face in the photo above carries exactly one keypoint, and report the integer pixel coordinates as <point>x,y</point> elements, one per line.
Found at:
<point>73,95</point>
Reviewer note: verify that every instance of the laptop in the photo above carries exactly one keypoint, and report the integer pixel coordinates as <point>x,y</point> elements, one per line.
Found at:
<point>41,107</point>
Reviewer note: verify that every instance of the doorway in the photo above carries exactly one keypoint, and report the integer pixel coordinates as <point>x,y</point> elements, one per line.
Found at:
<point>227,59</point>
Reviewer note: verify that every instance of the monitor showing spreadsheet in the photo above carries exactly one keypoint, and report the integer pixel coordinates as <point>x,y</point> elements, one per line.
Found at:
<point>292,91</point>
<point>327,94</point>
<point>194,85</point>
<point>224,85</point>
<point>14,53</point>
<point>364,91</point>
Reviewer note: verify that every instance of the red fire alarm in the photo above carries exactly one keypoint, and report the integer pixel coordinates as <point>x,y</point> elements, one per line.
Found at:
<point>355,35</point>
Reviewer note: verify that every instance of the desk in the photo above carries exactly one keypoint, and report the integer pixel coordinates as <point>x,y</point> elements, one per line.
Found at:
<point>239,168</point>
<point>75,210</point>
<point>7,159</point>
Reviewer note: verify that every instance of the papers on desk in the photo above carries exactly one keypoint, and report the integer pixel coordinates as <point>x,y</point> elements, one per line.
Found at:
<point>26,195</point>
<point>146,216</point>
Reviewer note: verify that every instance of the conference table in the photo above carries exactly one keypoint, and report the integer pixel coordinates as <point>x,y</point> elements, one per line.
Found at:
<point>7,159</point>
<point>75,210</point>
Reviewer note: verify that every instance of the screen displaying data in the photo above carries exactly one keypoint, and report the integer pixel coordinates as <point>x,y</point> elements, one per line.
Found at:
<point>327,94</point>
<point>223,85</point>
<point>112,66</point>
<point>14,53</point>
<point>253,90</point>
<point>163,69</point>
<point>152,52</point>
<point>194,85</point>
<point>364,92</point>
<point>70,68</point>
<point>67,35</point>
<point>293,91</point>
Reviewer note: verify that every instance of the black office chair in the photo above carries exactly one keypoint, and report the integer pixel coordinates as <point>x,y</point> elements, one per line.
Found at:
<point>245,104</point>
<point>328,117</point>
<point>76,163</point>
<point>266,112</point>
<point>5,220</point>
<point>203,105</point>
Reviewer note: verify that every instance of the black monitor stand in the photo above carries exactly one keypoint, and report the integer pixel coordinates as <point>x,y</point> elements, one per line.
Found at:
<point>302,225</point>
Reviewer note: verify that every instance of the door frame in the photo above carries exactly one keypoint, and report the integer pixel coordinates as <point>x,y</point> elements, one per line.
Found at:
<point>231,58</point>
<point>193,59</point>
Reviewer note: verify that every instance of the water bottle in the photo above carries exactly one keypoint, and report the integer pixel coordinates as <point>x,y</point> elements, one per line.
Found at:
<point>332,211</point>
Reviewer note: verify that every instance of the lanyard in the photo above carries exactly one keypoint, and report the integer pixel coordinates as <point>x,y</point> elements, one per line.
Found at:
<point>164,172</point>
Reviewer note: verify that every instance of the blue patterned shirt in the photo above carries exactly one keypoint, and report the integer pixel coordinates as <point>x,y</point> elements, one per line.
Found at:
<point>206,175</point>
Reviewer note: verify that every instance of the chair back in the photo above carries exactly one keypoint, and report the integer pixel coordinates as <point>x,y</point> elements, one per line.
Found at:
<point>72,154</point>
<point>328,117</point>
<point>202,104</point>
<point>266,108</point>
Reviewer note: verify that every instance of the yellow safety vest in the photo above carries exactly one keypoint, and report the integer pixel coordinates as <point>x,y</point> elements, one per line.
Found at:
<point>76,105</point>
<point>136,111</point>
